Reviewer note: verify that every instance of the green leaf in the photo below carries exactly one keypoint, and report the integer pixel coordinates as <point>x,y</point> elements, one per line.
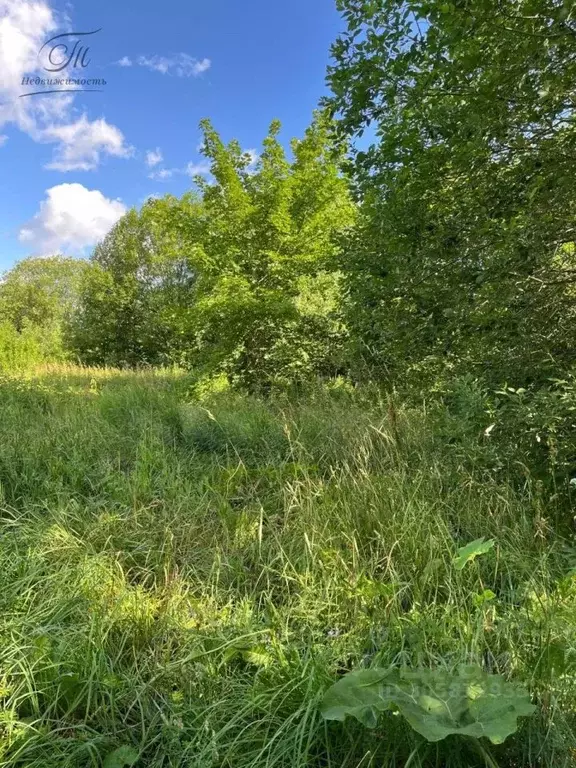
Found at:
<point>258,655</point>
<point>484,597</point>
<point>359,694</point>
<point>121,757</point>
<point>436,703</point>
<point>471,551</point>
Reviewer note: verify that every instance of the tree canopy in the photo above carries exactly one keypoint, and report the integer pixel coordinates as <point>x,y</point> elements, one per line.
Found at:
<point>239,276</point>
<point>465,254</point>
<point>40,291</point>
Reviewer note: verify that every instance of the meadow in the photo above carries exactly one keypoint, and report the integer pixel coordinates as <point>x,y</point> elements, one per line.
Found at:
<point>288,459</point>
<point>184,572</point>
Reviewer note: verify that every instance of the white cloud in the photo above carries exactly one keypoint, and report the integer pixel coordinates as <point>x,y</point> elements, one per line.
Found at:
<point>82,143</point>
<point>153,157</point>
<point>180,65</point>
<point>198,169</point>
<point>3,140</point>
<point>191,169</point>
<point>125,61</point>
<point>163,173</point>
<point>25,25</point>
<point>70,219</point>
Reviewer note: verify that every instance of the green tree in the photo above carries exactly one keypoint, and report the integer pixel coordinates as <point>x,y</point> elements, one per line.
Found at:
<point>264,254</point>
<point>38,296</point>
<point>236,277</point>
<point>40,291</point>
<point>464,259</point>
<point>136,298</point>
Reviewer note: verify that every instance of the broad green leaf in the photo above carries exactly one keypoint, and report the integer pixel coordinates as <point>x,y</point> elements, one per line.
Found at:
<point>360,694</point>
<point>497,711</point>
<point>436,703</point>
<point>471,551</point>
<point>470,703</point>
<point>121,757</point>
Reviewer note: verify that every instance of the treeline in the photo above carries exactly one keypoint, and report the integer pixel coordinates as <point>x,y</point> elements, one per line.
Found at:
<point>239,277</point>
<point>445,248</point>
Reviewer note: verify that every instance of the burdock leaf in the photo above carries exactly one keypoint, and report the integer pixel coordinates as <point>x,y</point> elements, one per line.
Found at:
<point>361,694</point>
<point>471,551</point>
<point>469,702</point>
<point>122,757</point>
<point>436,703</point>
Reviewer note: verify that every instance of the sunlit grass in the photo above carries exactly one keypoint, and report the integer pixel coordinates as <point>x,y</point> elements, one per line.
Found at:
<point>189,577</point>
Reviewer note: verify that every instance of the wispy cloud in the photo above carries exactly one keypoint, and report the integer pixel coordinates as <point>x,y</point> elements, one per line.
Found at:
<point>163,173</point>
<point>179,65</point>
<point>153,157</point>
<point>198,169</point>
<point>191,169</point>
<point>83,142</point>
<point>3,139</point>
<point>125,61</point>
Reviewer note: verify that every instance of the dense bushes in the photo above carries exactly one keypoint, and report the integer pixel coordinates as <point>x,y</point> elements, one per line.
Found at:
<point>29,347</point>
<point>525,435</point>
<point>38,296</point>
<point>464,259</point>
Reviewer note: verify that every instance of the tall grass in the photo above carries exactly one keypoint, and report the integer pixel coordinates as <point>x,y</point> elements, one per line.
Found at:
<point>188,575</point>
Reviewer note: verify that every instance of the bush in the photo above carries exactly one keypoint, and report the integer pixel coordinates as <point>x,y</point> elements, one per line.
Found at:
<point>30,347</point>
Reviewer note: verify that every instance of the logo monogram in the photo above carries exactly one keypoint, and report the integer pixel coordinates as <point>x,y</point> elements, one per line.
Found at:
<point>59,56</point>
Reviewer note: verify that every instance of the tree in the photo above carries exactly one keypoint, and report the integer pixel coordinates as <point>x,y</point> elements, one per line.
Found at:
<point>263,252</point>
<point>237,277</point>
<point>136,298</point>
<point>40,291</point>
<point>464,259</point>
<point>37,298</point>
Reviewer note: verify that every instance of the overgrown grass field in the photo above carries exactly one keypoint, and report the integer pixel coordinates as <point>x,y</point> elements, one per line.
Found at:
<point>185,574</point>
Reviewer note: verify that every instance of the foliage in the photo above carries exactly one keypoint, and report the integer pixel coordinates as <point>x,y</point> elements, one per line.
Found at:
<point>470,552</point>
<point>37,298</point>
<point>514,433</point>
<point>267,296</point>
<point>29,347</point>
<point>464,259</point>
<point>136,298</point>
<point>40,291</point>
<point>121,757</point>
<point>238,278</point>
<point>437,703</point>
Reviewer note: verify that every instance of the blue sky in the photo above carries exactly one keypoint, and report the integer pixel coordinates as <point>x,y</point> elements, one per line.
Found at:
<point>69,165</point>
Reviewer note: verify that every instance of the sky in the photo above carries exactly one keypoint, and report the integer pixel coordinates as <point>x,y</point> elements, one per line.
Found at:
<point>72,163</point>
